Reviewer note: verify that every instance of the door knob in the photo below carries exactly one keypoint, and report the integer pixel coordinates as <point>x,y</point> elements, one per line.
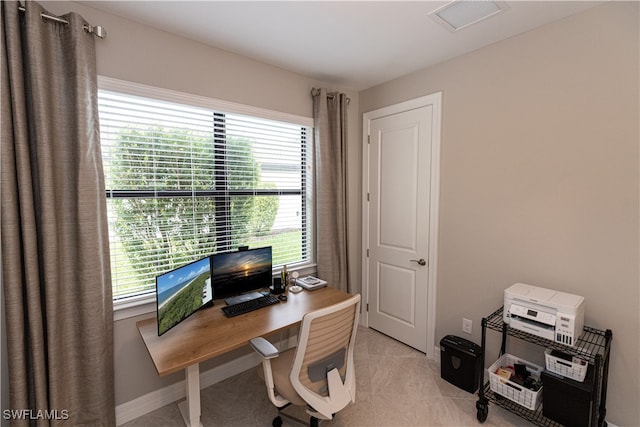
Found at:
<point>420,261</point>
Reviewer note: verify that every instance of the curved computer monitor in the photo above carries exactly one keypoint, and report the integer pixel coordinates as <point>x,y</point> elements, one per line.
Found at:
<point>238,272</point>
<point>182,292</point>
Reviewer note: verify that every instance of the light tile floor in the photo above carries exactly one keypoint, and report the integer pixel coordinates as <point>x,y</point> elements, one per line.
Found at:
<point>396,386</point>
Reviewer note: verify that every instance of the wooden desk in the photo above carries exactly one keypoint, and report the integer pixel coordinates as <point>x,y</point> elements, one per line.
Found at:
<point>209,333</point>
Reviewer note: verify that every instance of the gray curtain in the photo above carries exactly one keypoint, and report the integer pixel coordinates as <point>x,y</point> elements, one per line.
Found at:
<point>330,137</point>
<point>54,238</point>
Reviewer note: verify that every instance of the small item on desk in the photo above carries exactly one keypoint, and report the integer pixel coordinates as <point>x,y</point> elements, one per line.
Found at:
<point>309,280</point>
<point>310,283</point>
<point>278,286</point>
<point>293,278</point>
<point>282,298</point>
<point>295,289</point>
<point>294,283</point>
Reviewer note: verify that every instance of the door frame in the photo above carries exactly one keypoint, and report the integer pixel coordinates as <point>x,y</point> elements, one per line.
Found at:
<point>435,100</point>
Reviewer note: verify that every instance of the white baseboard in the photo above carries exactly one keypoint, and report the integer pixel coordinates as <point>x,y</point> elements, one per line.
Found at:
<point>144,404</point>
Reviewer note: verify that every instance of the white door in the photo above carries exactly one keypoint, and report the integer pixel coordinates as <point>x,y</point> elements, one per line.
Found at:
<point>401,213</point>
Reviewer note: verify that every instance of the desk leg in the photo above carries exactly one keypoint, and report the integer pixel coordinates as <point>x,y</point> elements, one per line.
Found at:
<point>190,408</point>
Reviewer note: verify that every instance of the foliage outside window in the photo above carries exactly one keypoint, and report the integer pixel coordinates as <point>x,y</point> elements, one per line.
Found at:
<point>184,182</point>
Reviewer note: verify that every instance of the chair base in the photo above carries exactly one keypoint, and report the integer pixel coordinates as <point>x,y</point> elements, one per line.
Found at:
<point>277,421</point>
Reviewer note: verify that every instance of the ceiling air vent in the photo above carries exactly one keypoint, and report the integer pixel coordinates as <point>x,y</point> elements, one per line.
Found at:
<point>459,14</point>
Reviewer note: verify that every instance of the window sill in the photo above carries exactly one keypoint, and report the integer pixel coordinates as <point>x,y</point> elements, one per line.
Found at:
<point>146,304</point>
<point>135,306</point>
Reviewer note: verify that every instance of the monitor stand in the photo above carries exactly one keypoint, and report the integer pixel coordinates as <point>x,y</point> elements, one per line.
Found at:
<point>242,298</point>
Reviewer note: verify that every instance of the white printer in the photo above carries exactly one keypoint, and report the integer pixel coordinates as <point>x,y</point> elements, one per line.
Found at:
<point>556,316</point>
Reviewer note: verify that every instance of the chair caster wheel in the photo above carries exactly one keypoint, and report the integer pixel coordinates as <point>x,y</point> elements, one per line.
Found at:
<point>483,411</point>
<point>277,422</point>
<point>482,415</point>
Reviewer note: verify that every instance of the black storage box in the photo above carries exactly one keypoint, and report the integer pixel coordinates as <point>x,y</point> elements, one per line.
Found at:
<point>460,362</point>
<point>567,401</point>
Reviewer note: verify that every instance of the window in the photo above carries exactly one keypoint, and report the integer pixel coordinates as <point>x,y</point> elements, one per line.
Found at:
<point>185,180</point>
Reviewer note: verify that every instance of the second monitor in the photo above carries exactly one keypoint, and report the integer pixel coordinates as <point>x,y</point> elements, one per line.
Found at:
<point>235,274</point>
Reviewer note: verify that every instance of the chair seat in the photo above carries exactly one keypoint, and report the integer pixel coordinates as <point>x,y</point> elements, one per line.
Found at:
<point>281,367</point>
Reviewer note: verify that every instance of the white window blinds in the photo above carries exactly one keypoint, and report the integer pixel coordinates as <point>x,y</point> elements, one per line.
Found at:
<point>184,182</point>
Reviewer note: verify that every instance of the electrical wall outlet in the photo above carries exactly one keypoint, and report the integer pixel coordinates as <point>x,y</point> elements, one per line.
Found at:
<point>467,325</point>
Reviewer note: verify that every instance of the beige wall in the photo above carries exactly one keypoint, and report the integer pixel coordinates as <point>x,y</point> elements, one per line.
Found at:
<point>540,177</point>
<point>140,54</point>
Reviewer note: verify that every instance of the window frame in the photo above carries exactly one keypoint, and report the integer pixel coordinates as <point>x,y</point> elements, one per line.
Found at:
<point>143,304</point>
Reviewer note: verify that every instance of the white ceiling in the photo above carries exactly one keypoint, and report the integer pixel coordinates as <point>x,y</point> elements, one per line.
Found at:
<point>352,44</point>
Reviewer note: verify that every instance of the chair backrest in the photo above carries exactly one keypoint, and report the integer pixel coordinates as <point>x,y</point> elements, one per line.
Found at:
<point>323,369</point>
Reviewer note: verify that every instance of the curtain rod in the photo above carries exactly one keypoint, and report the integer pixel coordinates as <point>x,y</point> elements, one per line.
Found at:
<point>316,92</point>
<point>97,30</point>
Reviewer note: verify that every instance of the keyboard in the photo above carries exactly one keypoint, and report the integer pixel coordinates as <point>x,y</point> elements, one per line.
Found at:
<point>251,305</point>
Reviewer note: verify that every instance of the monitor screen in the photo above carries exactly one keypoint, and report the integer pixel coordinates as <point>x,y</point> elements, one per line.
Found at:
<point>181,292</point>
<point>234,273</point>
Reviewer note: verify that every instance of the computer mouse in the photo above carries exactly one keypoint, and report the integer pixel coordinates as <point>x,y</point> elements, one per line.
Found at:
<point>282,297</point>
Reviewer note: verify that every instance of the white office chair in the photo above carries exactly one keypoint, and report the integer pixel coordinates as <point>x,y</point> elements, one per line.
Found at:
<point>319,372</point>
